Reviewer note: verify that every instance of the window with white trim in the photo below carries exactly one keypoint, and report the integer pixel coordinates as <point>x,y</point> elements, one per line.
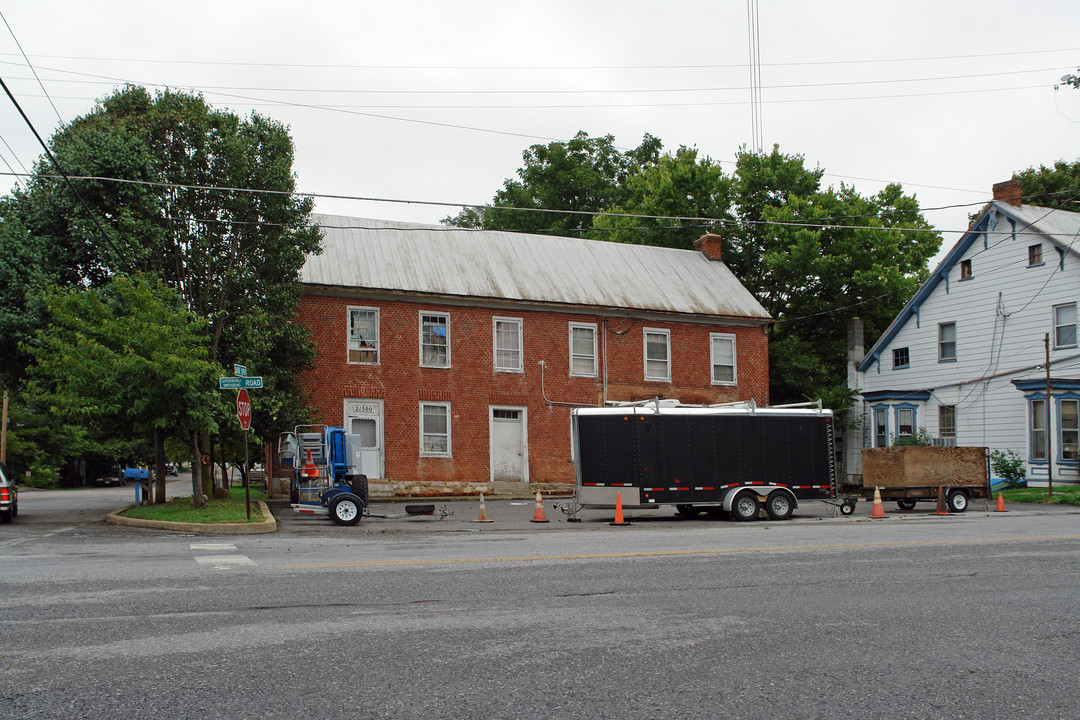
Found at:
<point>435,429</point>
<point>657,354</point>
<point>946,341</point>
<point>583,350</point>
<point>881,427</point>
<point>722,358</point>
<point>1038,430</point>
<point>905,423</point>
<point>1065,325</point>
<point>1069,431</point>
<point>508,344</point>
<point>946,421</point>
<point>364,335</point>
<point>434,340</point>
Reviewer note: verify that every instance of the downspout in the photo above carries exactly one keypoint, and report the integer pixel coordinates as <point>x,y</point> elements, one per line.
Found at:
<point>543,393</point>
<point>603,372</point>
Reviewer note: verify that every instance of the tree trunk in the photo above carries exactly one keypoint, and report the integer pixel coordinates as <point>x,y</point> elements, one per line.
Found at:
<point>196,473</point>
<point>159,465</point>
<point>207,470</point>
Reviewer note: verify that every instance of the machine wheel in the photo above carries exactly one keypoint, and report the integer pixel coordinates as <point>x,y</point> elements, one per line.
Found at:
<point>687,510</point>
<point>294,493</point>
<point>359,486</point>
<point>779,506</point>
<point>847,508</point>
<point>345,511</point>
<point>5,516</point>
<point>958,501</point>
<point>745,507</point>
<point>906,504</point>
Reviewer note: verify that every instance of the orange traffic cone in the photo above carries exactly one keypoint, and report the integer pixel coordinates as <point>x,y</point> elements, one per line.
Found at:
<point>618,511</point>
<point>1001,504</point>
<point>878,512</point>
<point>309,470</point>
<point>538,512</point>
<point>941,508</point>
<point>483,512</point>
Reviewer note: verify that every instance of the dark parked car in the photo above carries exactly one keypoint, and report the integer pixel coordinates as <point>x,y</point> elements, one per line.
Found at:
<point>112,477</point>
<point>170,469</point>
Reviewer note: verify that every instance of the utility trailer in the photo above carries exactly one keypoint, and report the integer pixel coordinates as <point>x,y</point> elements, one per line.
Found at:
<point>735,458</point>
<point>917,473</point>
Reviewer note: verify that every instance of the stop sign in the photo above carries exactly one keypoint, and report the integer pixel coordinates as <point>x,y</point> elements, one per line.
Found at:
<point>243,409</point>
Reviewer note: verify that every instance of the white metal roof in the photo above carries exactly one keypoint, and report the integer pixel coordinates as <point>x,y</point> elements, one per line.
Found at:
<point>1062,226</point>
<point>380,255</point>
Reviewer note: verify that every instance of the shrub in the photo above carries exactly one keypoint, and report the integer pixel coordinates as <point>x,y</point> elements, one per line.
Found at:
<point>1008,466</point>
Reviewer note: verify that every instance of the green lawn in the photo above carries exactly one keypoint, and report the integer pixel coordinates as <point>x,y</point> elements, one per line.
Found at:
<point>216,511</point>
<point>1063,494</point>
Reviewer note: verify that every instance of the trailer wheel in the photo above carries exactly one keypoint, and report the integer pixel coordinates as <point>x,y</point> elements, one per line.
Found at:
<point>847,507</point>
<point>779,506</point>
<point>745,507</point>
<point>958,501</point>
<point>345,511</point>
<point>687,510</point>
<point>359,485</point>
<point>906,504</point>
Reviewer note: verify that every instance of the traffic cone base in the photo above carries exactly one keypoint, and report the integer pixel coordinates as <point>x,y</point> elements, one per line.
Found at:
<point>1001,504</point>
<point>878,511</point>
<point>538,511</point>
<point>941,507</point>
<point>483,512</point>
<point>618,512</point>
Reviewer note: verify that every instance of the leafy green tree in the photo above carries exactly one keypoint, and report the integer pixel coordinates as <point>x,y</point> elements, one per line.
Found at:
<point>128,358</point>
<point>175,203</point>
<point>578,177</point>
<point>1054,187</point>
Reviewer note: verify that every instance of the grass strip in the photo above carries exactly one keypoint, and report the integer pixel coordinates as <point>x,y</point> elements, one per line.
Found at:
<point>232,510</point>
<point>1063,495</point>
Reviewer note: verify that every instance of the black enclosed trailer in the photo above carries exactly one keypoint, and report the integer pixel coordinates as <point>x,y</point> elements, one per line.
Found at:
<point>738,458</point>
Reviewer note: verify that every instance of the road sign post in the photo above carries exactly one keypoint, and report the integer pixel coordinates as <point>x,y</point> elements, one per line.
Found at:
<point>243,413</point>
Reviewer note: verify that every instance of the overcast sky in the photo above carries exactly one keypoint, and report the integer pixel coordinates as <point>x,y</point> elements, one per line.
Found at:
<point>435,101</point>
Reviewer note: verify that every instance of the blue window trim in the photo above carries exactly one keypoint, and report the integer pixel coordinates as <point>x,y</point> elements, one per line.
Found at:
<point>1057,405</point>
<point>905,365</point>
<point>1031,414</point>
<point>873,420</point>
<point>914,417</point>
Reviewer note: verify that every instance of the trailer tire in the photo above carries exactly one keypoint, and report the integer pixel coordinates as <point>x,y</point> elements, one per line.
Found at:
<point>958,501</point>
<point>906,504</point>
<point>359,485</point>
<point>779,505</point>
<point>847,507</point>
<point>345,511</point>
<point>745,507</point>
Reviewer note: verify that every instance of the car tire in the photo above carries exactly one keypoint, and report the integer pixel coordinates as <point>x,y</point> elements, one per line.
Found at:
<point>345,511</point>
<point>745,507</point>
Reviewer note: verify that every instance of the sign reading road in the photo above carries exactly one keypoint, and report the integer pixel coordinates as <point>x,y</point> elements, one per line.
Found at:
<point>235,383</point>
<point>239,370</point>
<point>243,409</point>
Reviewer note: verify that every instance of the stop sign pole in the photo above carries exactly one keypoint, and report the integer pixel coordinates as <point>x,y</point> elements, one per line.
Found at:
<point>240,381</point>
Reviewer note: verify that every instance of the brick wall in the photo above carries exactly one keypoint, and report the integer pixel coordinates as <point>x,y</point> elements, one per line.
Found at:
<point>471,384</point>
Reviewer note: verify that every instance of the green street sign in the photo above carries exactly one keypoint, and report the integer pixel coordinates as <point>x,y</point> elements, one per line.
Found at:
<point>239,370</point>
<point>236,383</point>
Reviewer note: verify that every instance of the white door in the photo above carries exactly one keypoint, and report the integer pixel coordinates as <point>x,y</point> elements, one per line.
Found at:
<point>365,418</point>
<point>509,455</point>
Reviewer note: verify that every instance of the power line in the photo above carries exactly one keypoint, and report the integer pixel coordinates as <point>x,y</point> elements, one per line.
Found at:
<point>31,66</point>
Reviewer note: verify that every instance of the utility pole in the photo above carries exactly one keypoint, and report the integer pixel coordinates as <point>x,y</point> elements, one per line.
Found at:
<point>1049,454</point>
<point>3,430</point>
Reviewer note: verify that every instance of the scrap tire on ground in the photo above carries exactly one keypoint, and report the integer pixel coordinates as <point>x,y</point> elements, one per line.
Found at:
<point>958,501</point>
<point>345,511</point>
<point>779,505</point>
<point>745,507</point>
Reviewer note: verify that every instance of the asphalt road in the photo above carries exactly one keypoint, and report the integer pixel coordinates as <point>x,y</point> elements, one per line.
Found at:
<point>915,616</point>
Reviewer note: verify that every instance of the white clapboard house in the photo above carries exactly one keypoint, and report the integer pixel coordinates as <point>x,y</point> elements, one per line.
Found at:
<point>965,360</point>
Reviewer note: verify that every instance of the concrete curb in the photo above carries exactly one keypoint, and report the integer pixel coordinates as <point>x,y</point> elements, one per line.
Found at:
<point>267,525</point>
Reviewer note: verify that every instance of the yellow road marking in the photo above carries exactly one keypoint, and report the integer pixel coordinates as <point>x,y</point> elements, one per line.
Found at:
<point>670,553</point>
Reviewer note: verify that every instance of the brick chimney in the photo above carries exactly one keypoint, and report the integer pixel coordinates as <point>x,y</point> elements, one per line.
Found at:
<point>1008,192</point>
<point>709,244</point>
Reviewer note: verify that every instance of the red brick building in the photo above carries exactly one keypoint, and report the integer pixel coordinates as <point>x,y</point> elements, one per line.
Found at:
<point>458,354</point>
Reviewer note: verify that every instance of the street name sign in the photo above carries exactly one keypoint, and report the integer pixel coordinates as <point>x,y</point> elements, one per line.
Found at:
<point>239,370</point>
<point>236,383</point>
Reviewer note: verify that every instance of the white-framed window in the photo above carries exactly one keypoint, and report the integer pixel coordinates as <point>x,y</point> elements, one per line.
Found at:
<point>657,354</point>
<point>881,427</point>
<point>435,429</point>
<point>1069,430</point>
<point>507,341</point>
<point>722,358</point>
<point>905,423</point>
<point>1065,325</point>
<point>434,340</point>
<point>583,350</point>
<point>364,335</point>
<point>946,421</point>
<point>1038,430</point>
<point>946,342</point>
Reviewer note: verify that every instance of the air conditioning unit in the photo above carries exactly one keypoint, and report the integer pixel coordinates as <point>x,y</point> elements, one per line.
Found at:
<point>943,442</point>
